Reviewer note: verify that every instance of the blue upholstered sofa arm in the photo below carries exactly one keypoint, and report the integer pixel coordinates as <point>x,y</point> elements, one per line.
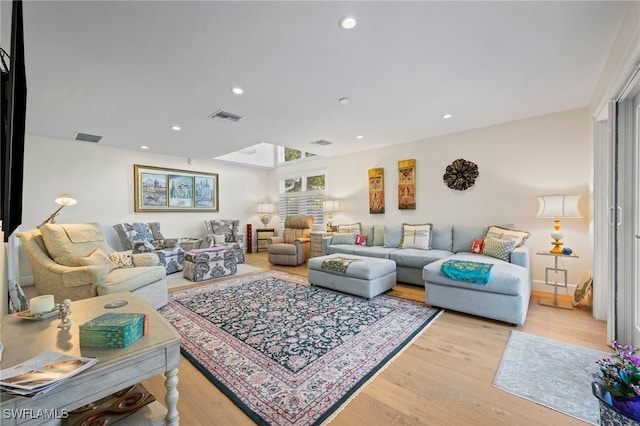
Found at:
<point>520,256</point>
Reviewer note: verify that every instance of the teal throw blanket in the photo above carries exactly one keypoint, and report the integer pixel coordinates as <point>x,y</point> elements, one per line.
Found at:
<point>467,271</point>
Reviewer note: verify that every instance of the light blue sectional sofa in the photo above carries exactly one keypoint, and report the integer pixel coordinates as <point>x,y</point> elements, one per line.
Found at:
<point>505,297</point>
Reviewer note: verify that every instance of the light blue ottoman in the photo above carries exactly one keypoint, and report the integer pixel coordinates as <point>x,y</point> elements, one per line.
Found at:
<point>364,276</point>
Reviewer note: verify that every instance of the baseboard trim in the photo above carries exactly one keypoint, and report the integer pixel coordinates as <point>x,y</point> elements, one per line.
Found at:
<point>539,285</point>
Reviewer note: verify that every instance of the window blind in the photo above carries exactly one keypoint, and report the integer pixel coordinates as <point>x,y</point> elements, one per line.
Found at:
<point>305,202</point>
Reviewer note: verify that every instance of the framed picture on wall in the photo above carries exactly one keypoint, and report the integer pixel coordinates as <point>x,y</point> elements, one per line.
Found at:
<point>159,189</point>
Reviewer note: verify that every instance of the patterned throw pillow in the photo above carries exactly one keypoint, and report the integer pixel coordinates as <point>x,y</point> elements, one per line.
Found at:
<point>500,249</point>
<point>519,237</point>
<point>343,238</point>
<point>416,236</point>
<point>122,259</point>
<point>477,245</point>
<point>159,244</point>
<point>353,227</point>
<point>98,258</point>
<point>361,240</point>
<point>142,247</point>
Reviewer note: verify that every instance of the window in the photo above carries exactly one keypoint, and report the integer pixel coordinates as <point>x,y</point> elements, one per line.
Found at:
<point>289,154</point>
<point>302,195</point>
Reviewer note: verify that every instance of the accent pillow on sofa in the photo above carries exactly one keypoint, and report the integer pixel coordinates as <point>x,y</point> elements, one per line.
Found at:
<point>356,228</point>
<point>500,249</point>
<point>367,231</point>
<point>378,235</point>
<point>142,247</point>
<point>343,238</point>
<point>519,237</point>
<point>98,258</point>
<point>122,259</point>
<point>416,236</point>
<point>361,240</point>
<point>392,236</point>
<point>477,246</point>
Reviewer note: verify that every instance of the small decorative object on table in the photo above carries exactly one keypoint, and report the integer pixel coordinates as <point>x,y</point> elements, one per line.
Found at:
<point>64,310</point>
<point>113,330</point>
<point>567,251</point>
<point>620,376</point>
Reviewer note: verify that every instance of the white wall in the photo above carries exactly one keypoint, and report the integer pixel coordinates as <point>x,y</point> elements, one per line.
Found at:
<point>101,179</point>
<point>517,161</point>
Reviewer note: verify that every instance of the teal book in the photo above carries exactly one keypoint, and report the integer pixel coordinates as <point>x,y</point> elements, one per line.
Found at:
<point>113,330</point>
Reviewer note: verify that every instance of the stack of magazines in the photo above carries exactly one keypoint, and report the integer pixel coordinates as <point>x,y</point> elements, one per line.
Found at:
<point>42,373</point>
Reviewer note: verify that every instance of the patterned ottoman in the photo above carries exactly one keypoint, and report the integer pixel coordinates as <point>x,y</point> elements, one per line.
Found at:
<point>358,275</point>
<point>209,263</point>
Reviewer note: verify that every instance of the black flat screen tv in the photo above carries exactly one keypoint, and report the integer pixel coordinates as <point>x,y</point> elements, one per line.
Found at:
<point>14,108</point>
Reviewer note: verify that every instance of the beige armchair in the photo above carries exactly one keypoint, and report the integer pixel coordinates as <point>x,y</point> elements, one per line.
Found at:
<point>293,247</point>
<point>73,261</point>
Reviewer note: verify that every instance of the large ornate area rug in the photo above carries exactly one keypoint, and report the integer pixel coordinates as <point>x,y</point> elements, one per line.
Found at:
<point>554,374</point>
<point>285,352</point>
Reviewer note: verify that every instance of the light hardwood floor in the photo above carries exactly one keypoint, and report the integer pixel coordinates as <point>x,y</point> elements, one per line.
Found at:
<point>443,378</point>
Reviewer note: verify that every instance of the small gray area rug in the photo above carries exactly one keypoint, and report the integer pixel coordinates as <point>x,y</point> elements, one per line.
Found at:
<point>554,374</point>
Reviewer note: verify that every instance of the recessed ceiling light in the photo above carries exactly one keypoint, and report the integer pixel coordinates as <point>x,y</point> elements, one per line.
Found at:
<point>144,147</point>
<point>176,128</point>
<point>344,101</point>
<point>359,137</point>
<point>447,115</point>
<point>348,23</point>
<point>237,90</point>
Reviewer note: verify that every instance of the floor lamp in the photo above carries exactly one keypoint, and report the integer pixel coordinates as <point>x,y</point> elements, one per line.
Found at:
<point>63,200</point>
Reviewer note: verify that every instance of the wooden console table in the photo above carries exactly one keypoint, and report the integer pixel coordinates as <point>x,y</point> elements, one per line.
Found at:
<point>157,352</point>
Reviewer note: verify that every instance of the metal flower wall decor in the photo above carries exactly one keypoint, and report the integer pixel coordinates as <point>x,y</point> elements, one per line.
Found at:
<point>461,174</point>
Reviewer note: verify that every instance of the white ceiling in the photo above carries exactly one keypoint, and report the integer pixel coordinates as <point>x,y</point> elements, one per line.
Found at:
<point>128,71</point>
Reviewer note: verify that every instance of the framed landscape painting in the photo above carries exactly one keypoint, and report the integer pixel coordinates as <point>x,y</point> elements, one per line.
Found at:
<point>159,189</point>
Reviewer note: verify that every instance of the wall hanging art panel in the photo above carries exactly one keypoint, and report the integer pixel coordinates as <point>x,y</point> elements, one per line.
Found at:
<point>407,185</point>
<point>158,189</point>
<point>376,190</point>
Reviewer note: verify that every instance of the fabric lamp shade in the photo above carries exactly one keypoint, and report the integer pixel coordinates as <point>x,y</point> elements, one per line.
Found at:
<point>265,208</point>
<point>330,206</point>
<point>556,207</point>
<point>552,206</point>
<point>66,199</point>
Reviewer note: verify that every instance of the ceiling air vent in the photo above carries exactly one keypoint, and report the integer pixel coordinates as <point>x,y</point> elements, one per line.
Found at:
<point>321,142</point>
<point>226,116</point>
<point>86,137</point>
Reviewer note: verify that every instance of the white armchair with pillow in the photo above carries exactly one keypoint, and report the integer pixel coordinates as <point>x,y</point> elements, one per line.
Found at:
<point>74,261</point>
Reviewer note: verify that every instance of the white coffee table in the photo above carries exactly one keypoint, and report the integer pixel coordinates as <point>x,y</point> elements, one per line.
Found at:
<point>157,352</point>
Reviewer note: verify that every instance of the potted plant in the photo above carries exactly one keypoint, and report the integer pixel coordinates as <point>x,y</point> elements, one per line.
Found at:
<point>620,375</point>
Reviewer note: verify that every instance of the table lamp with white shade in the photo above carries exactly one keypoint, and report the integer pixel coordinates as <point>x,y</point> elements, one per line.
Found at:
<point>556,207</point>
<point>330,206</point>
<point>266,210</point>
